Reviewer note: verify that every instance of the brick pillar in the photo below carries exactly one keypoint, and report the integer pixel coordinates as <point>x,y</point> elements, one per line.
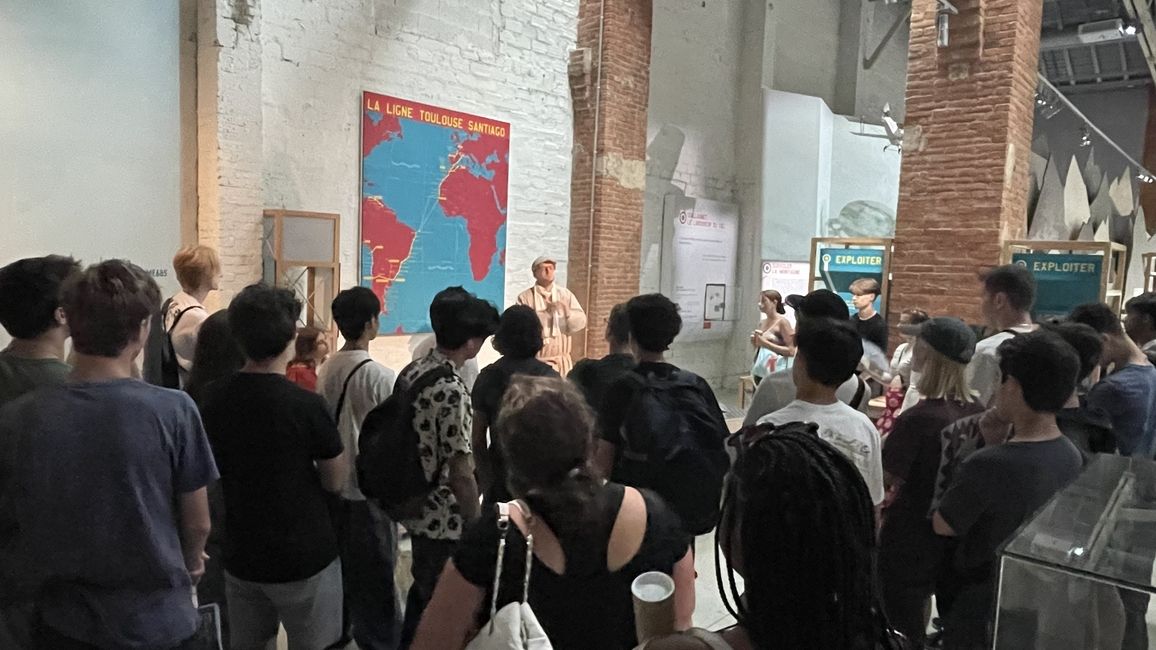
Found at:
<point>610,91</point>
<point>964,183</point>
<point>1148,190</point>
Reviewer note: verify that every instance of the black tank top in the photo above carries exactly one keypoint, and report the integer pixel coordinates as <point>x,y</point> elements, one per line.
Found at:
<point>588,606</point>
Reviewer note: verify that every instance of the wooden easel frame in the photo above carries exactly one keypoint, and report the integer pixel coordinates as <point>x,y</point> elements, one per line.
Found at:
<point>1113,272</point>
<point>281,263</point>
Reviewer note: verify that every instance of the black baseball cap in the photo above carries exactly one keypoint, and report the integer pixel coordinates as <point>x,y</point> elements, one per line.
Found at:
<point>950,337</point>
<point>820,303</point>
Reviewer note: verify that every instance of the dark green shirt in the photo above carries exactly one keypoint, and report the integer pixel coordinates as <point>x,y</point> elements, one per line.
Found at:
<point>19,375</point>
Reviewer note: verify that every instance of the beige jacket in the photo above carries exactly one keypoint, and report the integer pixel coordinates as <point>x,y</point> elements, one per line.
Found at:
<point>557,324</point>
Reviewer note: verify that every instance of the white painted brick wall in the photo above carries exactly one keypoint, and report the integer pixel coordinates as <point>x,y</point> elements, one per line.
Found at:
<point>502,59</point>
<point>229,141</point>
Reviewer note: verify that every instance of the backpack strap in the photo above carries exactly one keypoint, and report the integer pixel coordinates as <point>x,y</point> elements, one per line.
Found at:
<point>180,313</point>
<point>413,391</point>
<point>345,389</point>
<point>859,392</point>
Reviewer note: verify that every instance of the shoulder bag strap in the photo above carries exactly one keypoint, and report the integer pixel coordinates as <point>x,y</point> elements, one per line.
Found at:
<point>503,527</point>
<point>420,383</point>
<point>345,389</point>
<point>525,510</point>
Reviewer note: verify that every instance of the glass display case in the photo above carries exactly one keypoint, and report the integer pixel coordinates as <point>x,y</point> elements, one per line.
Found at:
<point>1078,575</point>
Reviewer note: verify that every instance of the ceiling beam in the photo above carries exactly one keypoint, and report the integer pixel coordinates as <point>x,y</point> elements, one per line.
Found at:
<point>1140,11</point>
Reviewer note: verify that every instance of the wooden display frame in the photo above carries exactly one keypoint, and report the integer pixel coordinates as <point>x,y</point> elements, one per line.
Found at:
<point>273,241</point>
<point>883,244</point>
<point>1113,274</point>
<point>1149,261</point>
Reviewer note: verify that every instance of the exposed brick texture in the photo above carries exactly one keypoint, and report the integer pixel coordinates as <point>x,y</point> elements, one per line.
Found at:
<point>609,119</point>
<point>1148,190</point>
<point>964,184</point>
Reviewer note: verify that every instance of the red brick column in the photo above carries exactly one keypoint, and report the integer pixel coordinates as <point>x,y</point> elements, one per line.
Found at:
<point>1148,190</point>
<point>610,90</point>
<point>964,183</point>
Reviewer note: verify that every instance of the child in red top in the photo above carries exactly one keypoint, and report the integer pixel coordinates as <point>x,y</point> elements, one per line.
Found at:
<point>312,349</point>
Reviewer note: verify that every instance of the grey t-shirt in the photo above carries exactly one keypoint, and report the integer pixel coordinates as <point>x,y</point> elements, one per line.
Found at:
<point>998,488</point>
<point>778,390</point>
<point>1128,396</point>
<point>19,375</point>
<point>90,475</point>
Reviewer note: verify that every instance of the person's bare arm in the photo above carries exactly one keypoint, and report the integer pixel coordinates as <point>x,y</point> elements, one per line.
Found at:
<point>194,529</point>
<point>334,472</point>
<point>448,620</point>
<point>684,592</point>
<point>940,525</point>
<point>464,486</point>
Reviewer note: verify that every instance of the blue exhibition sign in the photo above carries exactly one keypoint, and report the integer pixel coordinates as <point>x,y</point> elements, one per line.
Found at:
<point>1063,281</point>
<point>839,267</point>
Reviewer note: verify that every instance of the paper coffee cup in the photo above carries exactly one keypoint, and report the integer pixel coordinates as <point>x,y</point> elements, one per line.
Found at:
<point>653,605</point>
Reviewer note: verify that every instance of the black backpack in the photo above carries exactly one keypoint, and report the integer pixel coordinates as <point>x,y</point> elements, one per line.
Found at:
<point>674,444</point>
<point>160,365</point>
<point>389,465</point>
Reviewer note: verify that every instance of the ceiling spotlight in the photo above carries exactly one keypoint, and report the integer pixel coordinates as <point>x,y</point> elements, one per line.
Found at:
<point>1130,30</point>
<point>1144,177</point>
<point>1085,137</point>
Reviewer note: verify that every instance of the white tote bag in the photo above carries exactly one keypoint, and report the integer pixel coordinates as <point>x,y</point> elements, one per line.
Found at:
<point>514,627</point>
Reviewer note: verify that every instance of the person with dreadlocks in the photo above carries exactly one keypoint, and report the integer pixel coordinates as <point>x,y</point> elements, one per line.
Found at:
<point>798,525</point>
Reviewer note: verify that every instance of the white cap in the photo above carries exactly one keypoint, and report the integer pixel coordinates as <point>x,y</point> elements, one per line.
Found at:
<point>542,260</point>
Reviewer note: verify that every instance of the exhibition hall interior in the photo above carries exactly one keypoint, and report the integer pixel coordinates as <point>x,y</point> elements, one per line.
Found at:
<point>578,324</point>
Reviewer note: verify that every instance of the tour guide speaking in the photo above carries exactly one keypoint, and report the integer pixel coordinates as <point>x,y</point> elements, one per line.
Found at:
<point>559,311</point>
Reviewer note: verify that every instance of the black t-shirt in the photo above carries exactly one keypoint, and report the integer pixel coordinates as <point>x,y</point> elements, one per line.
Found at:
<point>489,389</point>
<point>997,489</point>
<point>873,329</point>
<point>1089,429</point>
<point>267,433</point>
<point>493,380</point>
<point>587,606</point>
<point>621,393</point>
<point>911,453</point>
<point>594,376</point>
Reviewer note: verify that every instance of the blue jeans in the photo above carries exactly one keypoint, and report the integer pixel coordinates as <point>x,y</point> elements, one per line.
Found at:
<point>368,543</point>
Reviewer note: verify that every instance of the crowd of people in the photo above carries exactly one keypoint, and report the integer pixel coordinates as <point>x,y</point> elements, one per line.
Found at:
<point>258,470</point>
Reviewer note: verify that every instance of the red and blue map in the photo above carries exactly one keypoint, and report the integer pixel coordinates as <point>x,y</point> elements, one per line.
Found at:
<point>434,197</point>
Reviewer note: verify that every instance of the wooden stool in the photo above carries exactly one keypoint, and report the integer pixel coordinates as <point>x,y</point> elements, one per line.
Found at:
<point>746,390</point>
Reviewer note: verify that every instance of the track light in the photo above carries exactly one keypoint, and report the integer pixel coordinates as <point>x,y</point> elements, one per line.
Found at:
<point>1085,137</point>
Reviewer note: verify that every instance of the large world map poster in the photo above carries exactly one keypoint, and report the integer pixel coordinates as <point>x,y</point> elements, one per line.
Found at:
<point>433,206</point>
